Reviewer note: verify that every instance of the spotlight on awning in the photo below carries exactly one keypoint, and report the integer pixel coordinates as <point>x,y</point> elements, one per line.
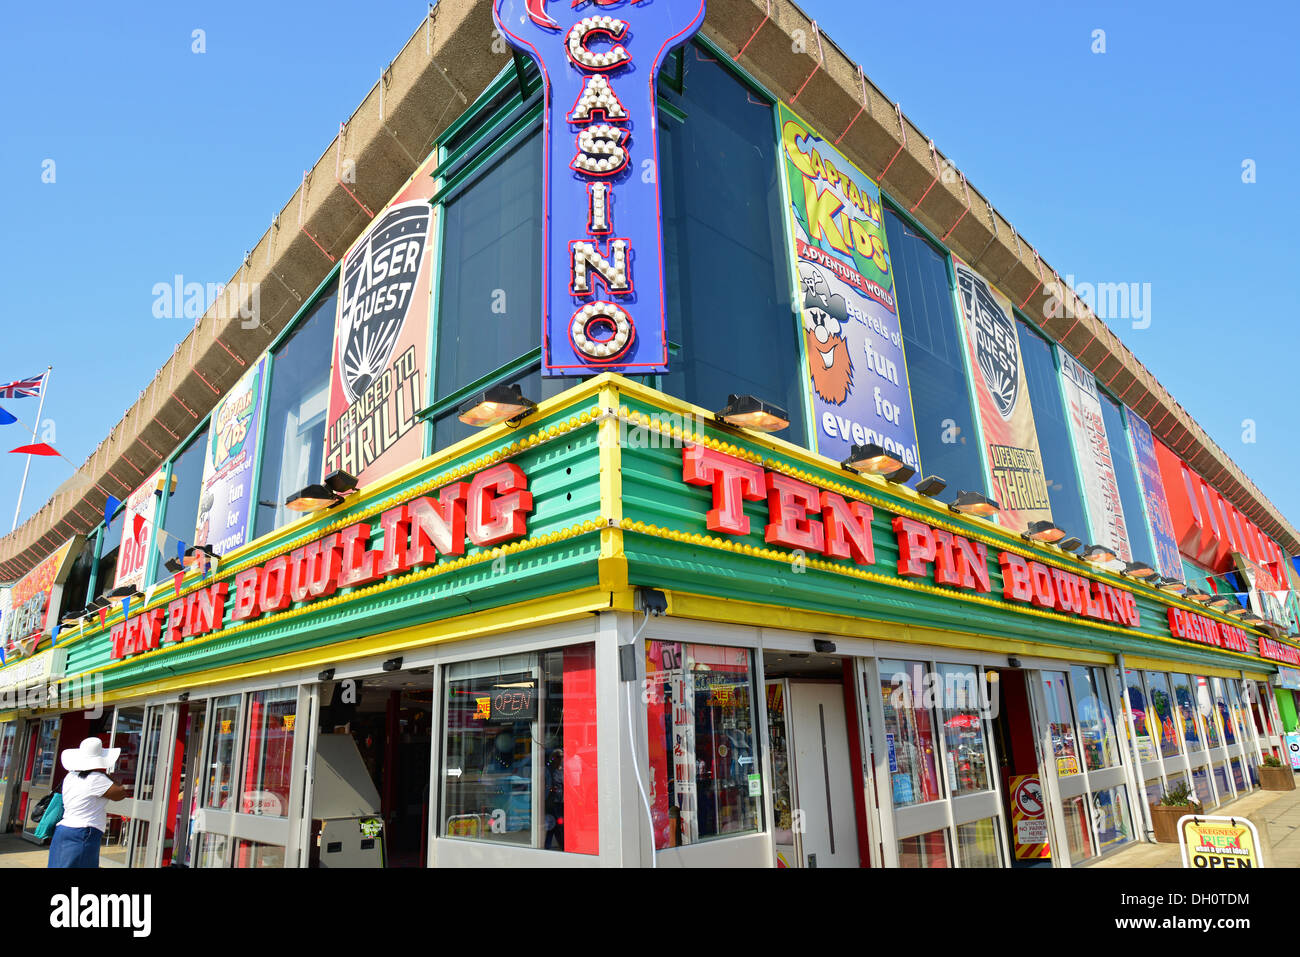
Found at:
<point>871,459</point>
<point>1043,532</point>
<point>173,565</point>
<point>196,555</point>
<point>1172,585</point>
<point>126,591</point>
<point>1069,544</point>
<point>331,492</point>
<point>973,503</point>
<point>1238,612</point>
<point>931,485</point>
<point>1138,570</point>
<point>900,475</point>
<point>496,403</point>
<point>1098,554</point>
<point>1198,596</point>
<point>1220,601</point>
<point>748,412</point>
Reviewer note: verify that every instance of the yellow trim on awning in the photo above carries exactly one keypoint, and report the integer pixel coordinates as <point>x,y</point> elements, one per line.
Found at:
<point>542,611</point>
<point>686,605</point>
<point>1186,668</point>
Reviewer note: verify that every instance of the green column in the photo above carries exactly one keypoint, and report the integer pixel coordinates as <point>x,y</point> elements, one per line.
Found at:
<point>1286,706</point>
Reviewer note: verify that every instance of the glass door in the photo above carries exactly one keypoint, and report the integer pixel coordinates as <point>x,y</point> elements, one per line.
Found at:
<point>934,764</point>
<point>40,770</point>
<point>1216,744</point>
<point>1094,805</point>
<point>9,740</point>
<point>152,786</point>
<point>191,721</point>
<point>249,797</point>
<point>127,733</point>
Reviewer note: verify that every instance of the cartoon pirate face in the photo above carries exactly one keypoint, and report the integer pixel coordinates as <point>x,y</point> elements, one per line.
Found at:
<point>825,315</point>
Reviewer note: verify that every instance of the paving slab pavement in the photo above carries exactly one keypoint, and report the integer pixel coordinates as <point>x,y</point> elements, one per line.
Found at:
<point>1275,814</point>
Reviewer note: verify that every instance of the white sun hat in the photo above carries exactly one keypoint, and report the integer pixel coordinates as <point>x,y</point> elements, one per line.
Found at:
<point>90,755</point>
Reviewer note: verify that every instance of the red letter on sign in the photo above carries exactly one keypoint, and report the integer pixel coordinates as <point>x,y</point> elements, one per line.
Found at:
<point>176,620</point>
<point>1044,594</point>
<point>358,561</point>
<point>323,560</point>
<point>915,547</point>
<point>211,603</point>
<point>733,483</point>
<point>945,563</point>
<point>273,590</point>
<point>1015,577</point>
<point>438,529</point>
<point>848,529</point>
<point>500,517</point>
<point>397,528</point>
<point>150,629</point>
<point>788,503</point>
<point>246,593</point>
<point>116,638</point>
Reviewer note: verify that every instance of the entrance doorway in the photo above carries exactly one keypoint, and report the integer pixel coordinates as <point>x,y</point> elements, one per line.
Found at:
<point>370,794</point>
<point>1023,792</point>
<point>817,796</point>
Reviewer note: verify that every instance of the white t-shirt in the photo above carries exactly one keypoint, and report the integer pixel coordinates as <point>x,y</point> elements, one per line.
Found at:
<point>83,800</point>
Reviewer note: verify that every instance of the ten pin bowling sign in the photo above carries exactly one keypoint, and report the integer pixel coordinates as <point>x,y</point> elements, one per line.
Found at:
<point>602,248</point>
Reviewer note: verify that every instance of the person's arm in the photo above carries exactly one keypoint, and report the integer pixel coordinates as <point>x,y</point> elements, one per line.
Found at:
<point>115,791</point>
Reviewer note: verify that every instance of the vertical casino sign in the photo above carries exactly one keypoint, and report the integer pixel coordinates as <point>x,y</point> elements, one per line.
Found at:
<point>603,262</point>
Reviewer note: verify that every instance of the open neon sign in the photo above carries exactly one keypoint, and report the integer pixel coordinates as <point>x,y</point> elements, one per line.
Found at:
<point>603,272</point>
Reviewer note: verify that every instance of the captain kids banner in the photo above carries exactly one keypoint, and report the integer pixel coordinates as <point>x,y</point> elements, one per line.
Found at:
<point>1006,414</point>
<point>1092,451</point>
<point>225,503</point>
<point>379,377</point>
<point>857,370</point>
<point>1168,562</point>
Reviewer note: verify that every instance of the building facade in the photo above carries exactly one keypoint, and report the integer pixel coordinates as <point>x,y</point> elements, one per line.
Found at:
<point>722,504</point>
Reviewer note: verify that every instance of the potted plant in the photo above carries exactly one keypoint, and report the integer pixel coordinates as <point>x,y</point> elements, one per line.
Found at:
<point>1176,802</point>
<point>1276,776</point>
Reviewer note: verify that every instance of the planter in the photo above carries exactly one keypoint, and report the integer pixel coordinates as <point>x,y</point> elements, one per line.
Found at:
<point>1164,820</point>
<point>1277,779</point>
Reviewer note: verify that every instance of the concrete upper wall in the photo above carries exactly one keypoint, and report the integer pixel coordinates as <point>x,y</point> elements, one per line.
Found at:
<point>446,63</point>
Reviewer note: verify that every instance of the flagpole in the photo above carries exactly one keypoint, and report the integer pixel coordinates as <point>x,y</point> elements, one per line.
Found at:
<point>45,387</point>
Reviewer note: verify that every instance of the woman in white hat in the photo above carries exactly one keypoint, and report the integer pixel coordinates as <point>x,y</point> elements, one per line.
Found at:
<point>87,789</point>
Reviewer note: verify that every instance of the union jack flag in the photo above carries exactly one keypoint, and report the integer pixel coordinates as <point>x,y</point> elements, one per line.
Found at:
<point>23,387</point>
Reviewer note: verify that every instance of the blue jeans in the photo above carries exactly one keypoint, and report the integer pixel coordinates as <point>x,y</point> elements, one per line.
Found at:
<point>75,847</point>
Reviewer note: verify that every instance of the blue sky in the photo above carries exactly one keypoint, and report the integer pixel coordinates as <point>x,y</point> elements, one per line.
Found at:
<point>1123,166</point>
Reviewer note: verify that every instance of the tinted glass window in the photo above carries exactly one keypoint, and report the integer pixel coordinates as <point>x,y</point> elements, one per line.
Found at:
<point>727,268</point>
<point>489,300</point>
<point>181,509</point>
<point>1135,519</point>
<point>294,449</point>
<point>1053,433</point>
<point>945,425</point>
